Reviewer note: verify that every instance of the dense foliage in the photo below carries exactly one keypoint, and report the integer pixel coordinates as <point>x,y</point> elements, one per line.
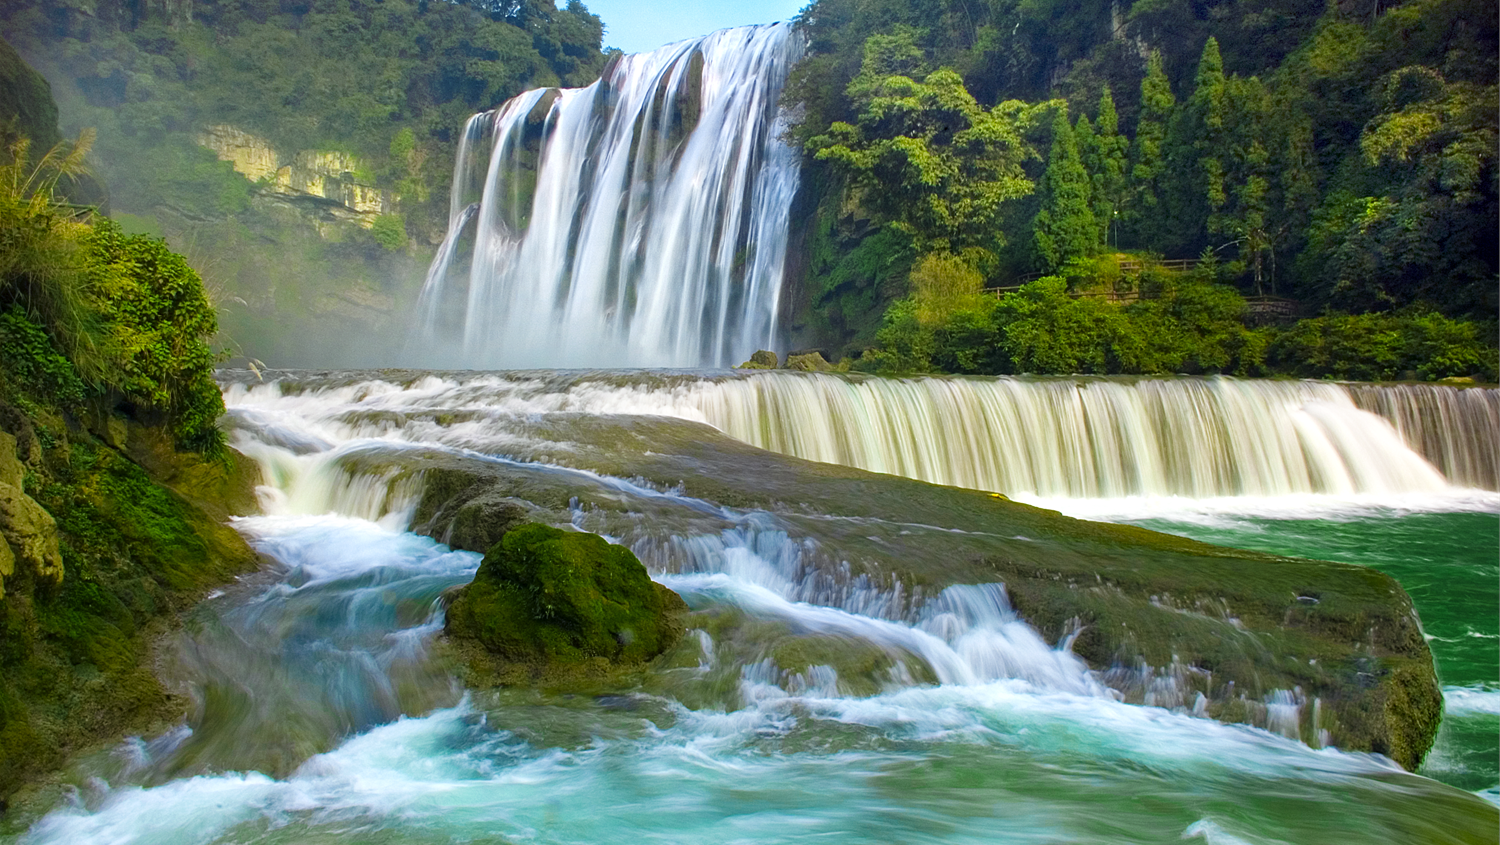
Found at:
<point>95,317</point>
<point>1344,155</point>
<point>1179,323</point>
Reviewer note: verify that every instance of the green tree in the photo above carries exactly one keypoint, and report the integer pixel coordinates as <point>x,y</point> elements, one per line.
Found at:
<point>1065,228</point>
<point>1245,215</point>
<point>1196,153</point>
<point>927,156</point>
<point>1147,184</point>
<point>1106,163</point>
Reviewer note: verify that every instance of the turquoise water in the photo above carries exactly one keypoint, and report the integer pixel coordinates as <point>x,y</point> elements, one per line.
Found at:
<point>1450,565</point>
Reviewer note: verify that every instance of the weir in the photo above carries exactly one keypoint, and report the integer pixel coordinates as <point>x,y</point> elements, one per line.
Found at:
<point>641,221</point>
<point>1082,438</point>
<point>1094,438</point>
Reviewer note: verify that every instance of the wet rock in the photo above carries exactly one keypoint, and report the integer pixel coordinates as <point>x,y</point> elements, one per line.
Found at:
<point>812,362</point>
<point>31,533</point>
<point>761,360</point>
<point>548,596</point>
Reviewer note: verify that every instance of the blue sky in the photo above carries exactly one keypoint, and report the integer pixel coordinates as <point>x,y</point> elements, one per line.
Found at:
<point>639,25</point>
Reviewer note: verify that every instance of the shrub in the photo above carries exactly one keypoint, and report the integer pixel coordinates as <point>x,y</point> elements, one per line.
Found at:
<point>156,319</point>
<point>389,230</point>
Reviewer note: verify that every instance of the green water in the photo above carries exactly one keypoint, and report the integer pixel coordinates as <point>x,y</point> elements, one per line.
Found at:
<point>1450,564</point>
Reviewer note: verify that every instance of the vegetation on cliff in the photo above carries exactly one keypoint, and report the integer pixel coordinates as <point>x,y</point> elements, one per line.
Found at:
<point>104,372</point>
<point>1343,155</point>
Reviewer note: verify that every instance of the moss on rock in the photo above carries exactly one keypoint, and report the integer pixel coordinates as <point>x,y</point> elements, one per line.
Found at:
<point>547,596</point>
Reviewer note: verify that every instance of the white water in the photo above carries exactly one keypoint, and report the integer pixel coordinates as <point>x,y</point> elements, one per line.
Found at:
<point>641,221</point>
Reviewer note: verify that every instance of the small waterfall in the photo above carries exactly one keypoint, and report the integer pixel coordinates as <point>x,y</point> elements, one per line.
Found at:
<point>1427,415</point>
<point>641,221</point>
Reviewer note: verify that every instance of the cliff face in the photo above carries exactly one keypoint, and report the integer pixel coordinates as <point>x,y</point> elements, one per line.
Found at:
<point>26,105</point>
<point>323,182</point>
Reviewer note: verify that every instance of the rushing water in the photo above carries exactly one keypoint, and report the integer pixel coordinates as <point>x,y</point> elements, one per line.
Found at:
<point>324,714</point>
<point>641,221</point>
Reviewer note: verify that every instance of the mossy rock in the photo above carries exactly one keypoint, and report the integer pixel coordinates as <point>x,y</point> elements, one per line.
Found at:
<point>547,596</point>
<point>761,360</point>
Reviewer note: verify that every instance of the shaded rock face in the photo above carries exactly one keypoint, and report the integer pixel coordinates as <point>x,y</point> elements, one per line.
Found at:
<point>543,595</point>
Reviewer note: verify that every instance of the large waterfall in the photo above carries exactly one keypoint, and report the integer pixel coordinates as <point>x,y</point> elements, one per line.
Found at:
<point>641,221</point>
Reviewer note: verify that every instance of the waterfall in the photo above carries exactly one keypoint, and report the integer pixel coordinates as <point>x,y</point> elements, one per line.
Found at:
<point>641,221</point>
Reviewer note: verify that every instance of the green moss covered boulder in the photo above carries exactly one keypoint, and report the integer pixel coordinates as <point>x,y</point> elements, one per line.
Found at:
<point>553,597</point>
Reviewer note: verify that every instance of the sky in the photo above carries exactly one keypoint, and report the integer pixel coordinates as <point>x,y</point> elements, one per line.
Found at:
<point>636,26</point>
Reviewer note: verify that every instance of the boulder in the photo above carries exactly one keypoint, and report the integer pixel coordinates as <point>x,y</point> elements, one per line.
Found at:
<point>31,533</point>
<point>761,360</point>
<point>547,596</point>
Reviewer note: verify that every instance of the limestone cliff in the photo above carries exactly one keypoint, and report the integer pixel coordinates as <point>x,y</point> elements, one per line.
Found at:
<point>322,179</point>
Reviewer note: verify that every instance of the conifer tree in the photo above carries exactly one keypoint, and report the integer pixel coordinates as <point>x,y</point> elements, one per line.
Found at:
<point>1147,156</point>
<point>1196,155</point>
<point>1064,229</point>
<point>1087,142</point>
<point>1107,171</point>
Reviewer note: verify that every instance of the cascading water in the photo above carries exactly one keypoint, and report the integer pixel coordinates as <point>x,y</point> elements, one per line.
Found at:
<point>809,700</point>
<point>1050,438</point>
<point>641,221</point>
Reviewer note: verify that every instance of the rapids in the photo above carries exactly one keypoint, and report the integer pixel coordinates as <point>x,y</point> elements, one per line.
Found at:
<point>325,709</point>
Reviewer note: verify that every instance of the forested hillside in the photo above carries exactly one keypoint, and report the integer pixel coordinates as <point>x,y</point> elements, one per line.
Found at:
<point>1340,154</point>
<point>340,119</point>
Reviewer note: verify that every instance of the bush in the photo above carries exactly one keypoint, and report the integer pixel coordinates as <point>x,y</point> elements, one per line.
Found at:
<point>1382,347</point>
<point>1043,330</point>
<point>389,230</point>
<point>156,319</point>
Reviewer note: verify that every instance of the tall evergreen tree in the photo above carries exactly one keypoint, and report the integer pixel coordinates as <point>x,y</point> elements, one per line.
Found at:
<point>1107,169</point>
<point>1064,229</point>
<point>1245,213</point>
<point>1196,153</point>
<point>1144,212</point>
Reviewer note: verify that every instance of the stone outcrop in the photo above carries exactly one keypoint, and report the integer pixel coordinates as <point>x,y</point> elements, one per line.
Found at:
<point>812,362</point>
<point>1223,633</point>
<point>307,175</point>
<point>30,532</point>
